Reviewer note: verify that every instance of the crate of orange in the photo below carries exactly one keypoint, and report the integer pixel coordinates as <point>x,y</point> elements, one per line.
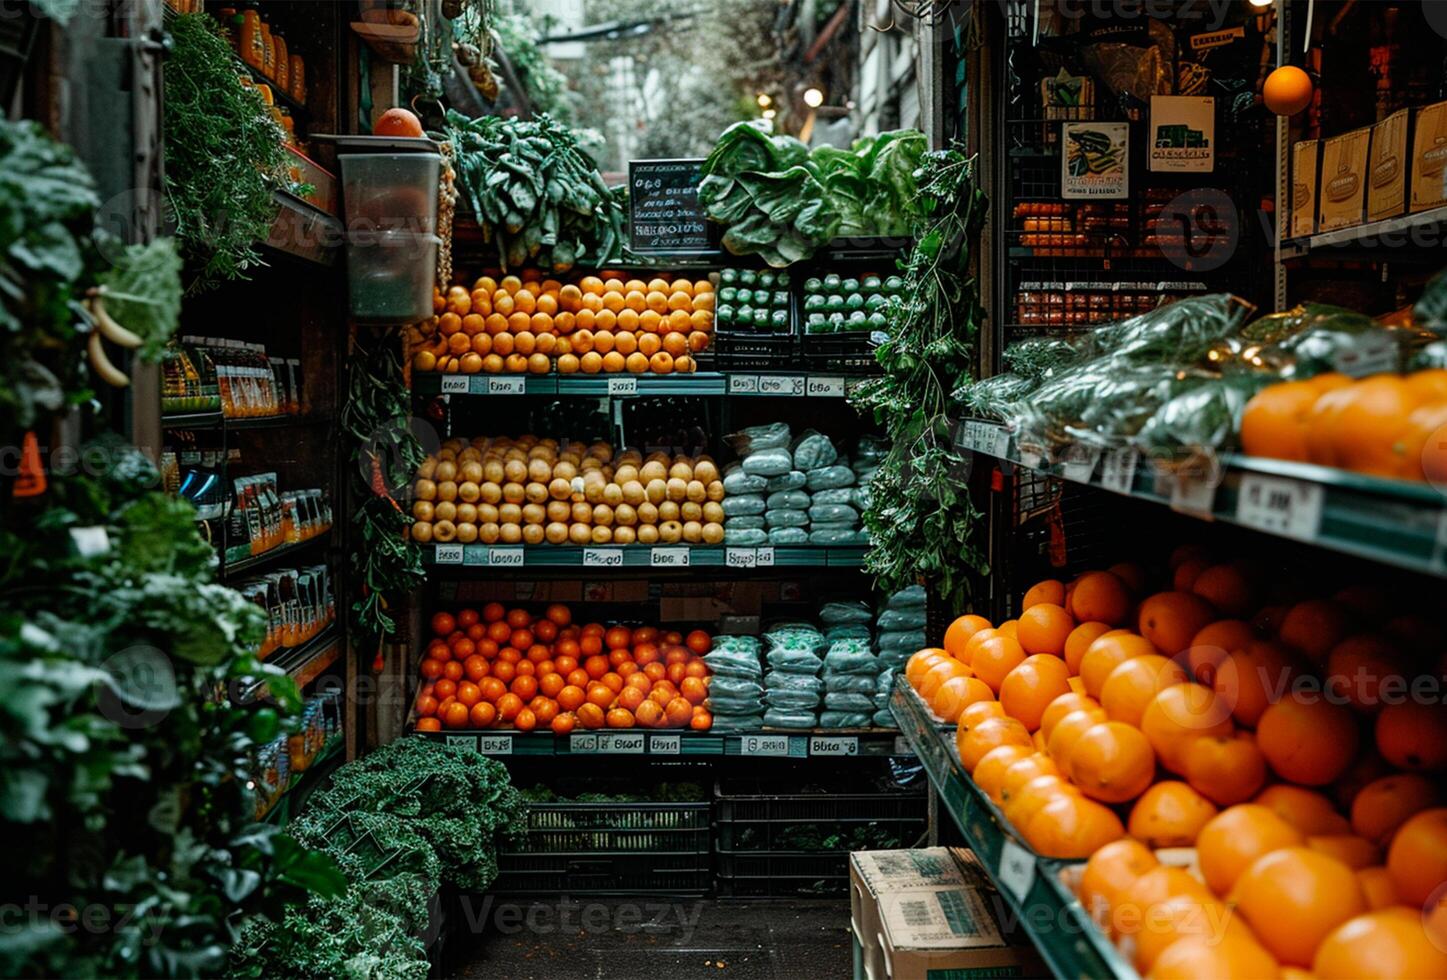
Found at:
<point>498,668</point>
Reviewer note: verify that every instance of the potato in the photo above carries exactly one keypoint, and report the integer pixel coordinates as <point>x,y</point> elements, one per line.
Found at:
<point>668,511</point>
<point>680,471</point>
<point>466,514</point>
<point>514,493</point>
<point>532,534</point>
<point>612,495</point>
<point>466,532</point>
<point>444,510</point>
<point>669,532</point>
<point>536,493</point>
<point>425,490</point>
<point>705,470</point>
<point>625,473</point>
<point>491,493</point>
<point>647,534</point>
<point>690,511</point>
<point>428,468</point>
<point>540,470</point>
<point>534,514</point>
<point>422,532</point>
<point>470,471</point>
<point>696,491</point>
<point>509,514</point>
<point>602,515</point>
<point>559,511</point>
<point>515,471</point>
<point>422,510</point>
<point>653,470</point>
<point>713,513</point>
<point>582,513</point>
<point>488,533</point>
<point>560,488</point>
<point>656,491</point>
<point>446,490</point>
<point>602,534</point>
<point>647,513</point>
<point>713,533</point>
<point>692,532</point>
<point>556,533</point>
<point>633,493</point>
<point>565,469</point>
<point>446,470</point>
<point>444,531</point>
<point>486,514</point>
<point>624,514</point>
<point>624,535</point>
<point>469,492</point>
<point>715,490</point>
<point>677,488</point>
<point>580,533</point>
<point>510,534</point>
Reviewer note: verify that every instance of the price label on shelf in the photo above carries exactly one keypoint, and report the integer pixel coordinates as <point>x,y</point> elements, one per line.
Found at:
<point>833,745</point>
<point>90,542</point>
<point>665,745</point>
<point>622,386</point>
<point>494,744</point>
<point>1079,463</point>
<point>743,384</point>
<point>507,386</point>
<point>505,557</point>
<point>824,386</point>
<point>1373,353</point>
<point>1281,506</point>
<point>1030,459</point>
<point>466,741</point>
<point>456,384</point>
<point>765,745</point>
<point>476,555</point>
<point>579,744</point>
<point>1017,869</point>
<point>622,743</point>
<point>780,384</point>
<point>741,557</point>
<point>447,554</point>
<point>1193,494</point>
<point>1117,470</point>
<point>764,557</point>
<point>668,557</point>
<point>603,557</point>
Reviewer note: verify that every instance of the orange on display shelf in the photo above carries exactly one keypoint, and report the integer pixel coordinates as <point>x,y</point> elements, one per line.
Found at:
<point>1253,785</point>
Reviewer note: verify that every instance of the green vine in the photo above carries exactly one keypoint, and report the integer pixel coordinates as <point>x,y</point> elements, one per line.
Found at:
<point>377,415</point>
<point>921,522</point>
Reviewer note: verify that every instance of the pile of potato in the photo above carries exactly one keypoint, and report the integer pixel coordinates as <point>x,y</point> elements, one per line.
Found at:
<point>532,490</point>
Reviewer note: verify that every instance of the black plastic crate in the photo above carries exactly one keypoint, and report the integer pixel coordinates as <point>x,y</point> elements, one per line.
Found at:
<point>750,817</point>
<point>603,874</point>
<point>743,874</point>
<point>851,352</point>
<point>742,351</point>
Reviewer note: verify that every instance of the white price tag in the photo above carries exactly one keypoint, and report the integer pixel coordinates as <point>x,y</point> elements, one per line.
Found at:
<point>779,384</point>
<point>833,745</point>
<point>622,743</point>
<point>1373,353</point>
<point>1289,508</point>
<point>1079,463</point>
<point>668,557</point>
<point>475,555</point>
<point>90,542</point>
<point>447,554</point>
<point>1192,495</point>
<point>1000,442</point>
<point>467,741</point>
<point>765,745</point>
<point>741,558</point>
<point>743,384</point>
<point>820,386</point>
<point>1030,459</point>
<point>505,557</point>
<point>622,386</point>
<point>455,384</point>
<point>582,743</point>
<point>507,386</point>
<point>1017,869</point>
<point>603,557</point>
<point>494,744</point>
<point>764,557</point>
<point>1117,470</point>
<point>665,745</point>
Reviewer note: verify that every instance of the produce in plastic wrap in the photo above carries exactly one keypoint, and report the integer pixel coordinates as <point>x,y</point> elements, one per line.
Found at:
<point>792,480</point>
<point>812,451</point>
<point>835,613</point>
<point>849,631</point>
<point>1434,355</point>
<point>997,397</point>
<point>1431,308</point>
<point>830,477</point>
<point>854,683</point>
<point>1178,333</point>
<point>844,719</point>
<point>737,723</point>
<point>1203,414</point>
<point>779,718</point>
<point>747,522</point>
<point>835,534</point>
<point>838,495</point>
<point>744,505</point>
<point>786,536</point>
<point>913,597</point>
<point>786,518</point>
<point>910,640</point>
<point>833,514</point>
<point>775,435</point>
<point>736,482</point>
<point>904,618</point>
<point>745,538</point>
<point>787,500</point>
<point>768,462</point>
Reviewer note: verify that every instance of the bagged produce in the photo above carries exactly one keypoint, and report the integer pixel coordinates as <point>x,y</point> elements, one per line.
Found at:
<point>853,683</point>
<point>786,536</point>
<point>791,699</point>
<point>901,619</point>
<point>792,660</point>
<point>759,437</point>
<point>786,518</point>
<point>908,640</point>
<point>851,657</point>
<point>746,522</point>
<point>745,505</point>
<point>735,706</point>
<point>731,643</point>
<point>768,462</point>
<point>863,499</point>
<point>835,613</point>
<point>833,514</point>
<point>883,718</point>
<point>1178,333</point>
<point>849,701</point>
<point>1204,414</point>
<point>812,450</point>
<point>839,495</point>
<point>787,500</point>
<point>723,686</point>
<point>737,723</point>
<point>829,477</point>
<point>873,448</point>
<point>911,598</point>
<point>835,534</point>
<point>795,636</point>
<point>750,537</point>
<point>849,631</point>
<point>792,480</point>
<point>883,686</point>
<point>736,481</point>
<point>733,666</point>
<point>779,718</point>
<point>843,719</point>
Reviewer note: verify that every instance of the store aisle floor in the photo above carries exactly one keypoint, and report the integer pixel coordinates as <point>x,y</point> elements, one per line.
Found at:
<point>623,938</point>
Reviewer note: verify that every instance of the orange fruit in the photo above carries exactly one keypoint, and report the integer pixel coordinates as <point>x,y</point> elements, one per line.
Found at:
<point>1179,714</point>
<point>1236,955</point>
<point>1385,804</point>
<point>1131,574</point>
<point>976,640</point>
<point>590,715</point>
<point>920,662</point>
<point>1357,667</point>
<point>1028,689</point>
<point>1181,917</point>
<point>1275,421</point>
<point>1112,869</point>
<point>1226,769</point>
<point>938,674</point>
<point>1187,572</point>
<point>1413,735</point>
<point>1068,729</point>
<point>397,122</point>
<point>1314,626</point>
<point>1307,740</point>
<point>1228,588</point>
<point>1377,887</point>
<point>1033,796</point>
<point>958,633</point>
<point>1008,628</point>
<point>1111,762</point>
<point>973,743</point>
<point>1383,944</point>
<point>1294,897</point>
<point>1062,706</point>
<point>1050,590</point>
<point>1020,772</point>
<point>995,658</point>
<point>1230,841</point>
<point>1044,628</point>
<point>1101,597</point>
<point>1170,814</point>
<point>958,693</point>
<point>975,713</point>
<point>1080,640</point>
<point>1422,453</point>
<point>455,715</point>
<point>989,774</point>
<point>1071,826</point>
<point>1417,858</point>
<point>1251,679</point>
<point>1105,654</point>
<point>429,724</point>
<point>1169,620</point>
<point>482,715</point>
<point>1307,810</point>
<point>1132,684</point>
<point>1353,851</point>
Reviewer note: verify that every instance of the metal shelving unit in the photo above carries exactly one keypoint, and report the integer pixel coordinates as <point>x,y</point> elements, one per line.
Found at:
<point>701,384</point>
<point>659,557</point>
<point>675,743</point>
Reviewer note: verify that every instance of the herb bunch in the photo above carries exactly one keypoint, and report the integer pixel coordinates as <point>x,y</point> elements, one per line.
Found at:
<point>921,520</point>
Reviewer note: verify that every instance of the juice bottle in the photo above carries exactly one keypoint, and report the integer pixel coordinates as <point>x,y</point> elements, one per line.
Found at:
<point>281,70</point>
<point>297,76</point>
<point>250,42</point>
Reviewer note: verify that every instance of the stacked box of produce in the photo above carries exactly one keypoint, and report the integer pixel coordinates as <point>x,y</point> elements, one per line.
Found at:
<point>846,304</point>
<point>533,490</point>
<point>527,324</point>
<point>1228,709</point>
<point>796,491</point>
<point>751,301</point>
<point>899,631</point>
<point>504,668</point>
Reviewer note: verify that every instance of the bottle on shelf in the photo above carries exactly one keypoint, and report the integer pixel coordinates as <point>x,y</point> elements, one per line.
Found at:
<point>251,43</point>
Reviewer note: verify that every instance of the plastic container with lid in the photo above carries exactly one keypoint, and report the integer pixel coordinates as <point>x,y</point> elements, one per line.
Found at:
<point>390,276</point>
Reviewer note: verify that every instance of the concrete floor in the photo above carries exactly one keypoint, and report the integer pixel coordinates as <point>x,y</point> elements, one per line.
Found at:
<point>624,938</point>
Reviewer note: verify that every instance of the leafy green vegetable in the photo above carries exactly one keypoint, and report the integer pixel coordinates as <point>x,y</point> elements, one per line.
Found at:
<point>142,291</point>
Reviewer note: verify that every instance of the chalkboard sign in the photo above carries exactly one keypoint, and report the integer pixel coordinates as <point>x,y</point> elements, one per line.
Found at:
<point>665,215</point>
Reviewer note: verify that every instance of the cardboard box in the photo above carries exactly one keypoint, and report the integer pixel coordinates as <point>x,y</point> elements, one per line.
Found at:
<point>1342,190</point>
<point>928,931</point>
<point>1428,163</point>
<point>875,872</point>
<point>1301,209</point>
<point>1387,168</point>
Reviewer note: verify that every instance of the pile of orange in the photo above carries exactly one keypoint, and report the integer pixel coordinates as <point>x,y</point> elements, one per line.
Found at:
<point>1388,425</point>
<point>1107,722</point>
<point>608,323</point>
<point>503,668</point>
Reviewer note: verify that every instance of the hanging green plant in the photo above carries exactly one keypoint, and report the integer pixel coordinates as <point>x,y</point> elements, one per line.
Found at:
<point>921,520</point>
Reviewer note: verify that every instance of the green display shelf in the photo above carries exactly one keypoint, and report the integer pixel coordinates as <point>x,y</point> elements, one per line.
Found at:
<point>666,744</point>
<point>1389,521</point>
<point>1046,910</point>
<point>700,384</point>
<point>664,557</point>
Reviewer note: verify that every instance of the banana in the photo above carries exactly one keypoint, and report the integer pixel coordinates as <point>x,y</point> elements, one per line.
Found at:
<point>112,330</point>
<point>102,365</point>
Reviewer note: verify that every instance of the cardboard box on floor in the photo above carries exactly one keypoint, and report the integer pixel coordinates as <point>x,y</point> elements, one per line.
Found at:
<point>923,913</point>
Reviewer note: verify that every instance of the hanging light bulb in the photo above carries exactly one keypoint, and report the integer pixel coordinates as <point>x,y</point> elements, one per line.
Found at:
<point>769,113</point>
<point>1287,90</point>
<point>813,98</point>
<point>1261,4</point>
<point>763,100</point>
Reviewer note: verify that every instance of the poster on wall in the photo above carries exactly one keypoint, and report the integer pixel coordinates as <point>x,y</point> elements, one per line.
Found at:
<point>1096,160</point>
<point>1183,134</point>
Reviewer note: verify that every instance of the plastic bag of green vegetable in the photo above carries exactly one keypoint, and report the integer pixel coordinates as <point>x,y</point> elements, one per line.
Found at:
<point>1201,414</point>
